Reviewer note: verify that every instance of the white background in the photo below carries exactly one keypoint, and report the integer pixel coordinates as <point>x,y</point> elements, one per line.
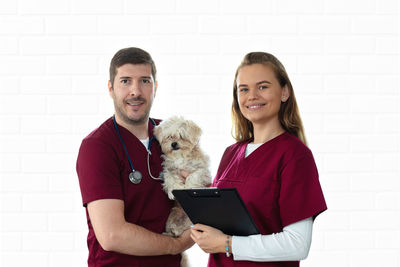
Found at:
<point>342,57</point>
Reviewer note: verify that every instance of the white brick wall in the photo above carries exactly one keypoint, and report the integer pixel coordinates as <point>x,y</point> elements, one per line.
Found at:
<point>342,55</point>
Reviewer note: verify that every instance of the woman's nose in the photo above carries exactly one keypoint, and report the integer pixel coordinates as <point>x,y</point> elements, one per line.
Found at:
<point>253,93</point>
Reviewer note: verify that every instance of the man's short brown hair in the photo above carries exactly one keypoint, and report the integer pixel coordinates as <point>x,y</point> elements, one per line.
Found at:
<point>131,55</point>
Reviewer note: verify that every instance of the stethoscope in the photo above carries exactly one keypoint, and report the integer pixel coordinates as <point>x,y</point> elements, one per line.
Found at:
<point>136,176</point>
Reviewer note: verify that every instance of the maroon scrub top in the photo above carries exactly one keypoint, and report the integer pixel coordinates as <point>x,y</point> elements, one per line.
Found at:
<point>103,169</point>
<point>279,184</point>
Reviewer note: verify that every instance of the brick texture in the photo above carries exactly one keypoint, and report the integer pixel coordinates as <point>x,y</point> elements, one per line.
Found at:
<point>342,57</point>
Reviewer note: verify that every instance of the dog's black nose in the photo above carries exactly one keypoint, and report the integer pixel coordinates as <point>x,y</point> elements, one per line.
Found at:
<point>174,146</point>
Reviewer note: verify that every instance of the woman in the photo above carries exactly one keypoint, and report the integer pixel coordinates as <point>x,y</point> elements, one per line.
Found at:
<point>272,169</point>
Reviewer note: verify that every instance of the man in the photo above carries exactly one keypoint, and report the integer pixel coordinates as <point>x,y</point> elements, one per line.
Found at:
<point>118,168</point>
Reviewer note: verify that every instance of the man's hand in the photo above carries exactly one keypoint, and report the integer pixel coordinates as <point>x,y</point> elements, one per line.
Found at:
<point>183,242</point>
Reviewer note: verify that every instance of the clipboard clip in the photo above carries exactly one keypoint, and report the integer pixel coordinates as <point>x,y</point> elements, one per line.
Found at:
<point>205,193</point>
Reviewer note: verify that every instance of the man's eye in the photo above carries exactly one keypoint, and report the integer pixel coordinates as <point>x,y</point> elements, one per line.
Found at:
<point>146,81</point>
<point>124,81</point>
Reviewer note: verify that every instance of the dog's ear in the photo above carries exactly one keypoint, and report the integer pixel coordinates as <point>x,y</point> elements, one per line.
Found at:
<point>183,125</point>
<point>195,131</point>
<point>157,133</point>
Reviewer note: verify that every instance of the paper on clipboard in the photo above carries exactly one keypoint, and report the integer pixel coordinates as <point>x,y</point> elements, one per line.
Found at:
<point>220,208</point>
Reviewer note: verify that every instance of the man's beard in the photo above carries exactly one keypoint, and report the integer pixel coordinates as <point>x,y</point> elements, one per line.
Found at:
<point>132,121</point>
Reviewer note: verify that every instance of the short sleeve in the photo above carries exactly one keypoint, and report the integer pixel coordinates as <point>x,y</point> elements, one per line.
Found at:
<point>98,172</point>
<point>301,195</point>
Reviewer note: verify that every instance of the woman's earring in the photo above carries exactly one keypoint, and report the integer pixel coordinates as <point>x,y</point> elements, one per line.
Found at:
<point>283,99</point>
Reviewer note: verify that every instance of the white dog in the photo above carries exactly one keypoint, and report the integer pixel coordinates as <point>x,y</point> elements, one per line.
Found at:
<point>179,140</point>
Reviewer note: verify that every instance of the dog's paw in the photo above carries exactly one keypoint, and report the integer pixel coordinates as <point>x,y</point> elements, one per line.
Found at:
<point>170,195</point>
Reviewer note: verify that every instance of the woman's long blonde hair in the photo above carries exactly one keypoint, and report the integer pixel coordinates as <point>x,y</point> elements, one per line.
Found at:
<point>289,116</point>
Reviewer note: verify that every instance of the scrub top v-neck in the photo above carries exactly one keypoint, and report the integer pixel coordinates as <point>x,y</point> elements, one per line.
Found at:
<point>279,184</point>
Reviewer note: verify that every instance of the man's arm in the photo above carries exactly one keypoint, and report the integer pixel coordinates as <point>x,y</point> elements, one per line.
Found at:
<point>116,234</point>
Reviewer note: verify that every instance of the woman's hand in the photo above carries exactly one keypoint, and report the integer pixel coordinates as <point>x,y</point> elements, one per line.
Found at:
<point>209,239</point>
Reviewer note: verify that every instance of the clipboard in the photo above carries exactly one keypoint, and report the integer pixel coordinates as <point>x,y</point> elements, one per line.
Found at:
<point>221,208</point>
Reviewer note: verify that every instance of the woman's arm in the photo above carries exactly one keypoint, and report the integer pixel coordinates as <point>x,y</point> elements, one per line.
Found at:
<point>292,244</point>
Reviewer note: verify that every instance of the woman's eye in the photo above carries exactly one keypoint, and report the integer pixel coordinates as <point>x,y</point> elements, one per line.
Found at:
<point>263,87</point>
<point>243,89</point>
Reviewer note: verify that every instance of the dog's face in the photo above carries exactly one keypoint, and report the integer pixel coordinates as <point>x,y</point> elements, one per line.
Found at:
<point>177,135</point>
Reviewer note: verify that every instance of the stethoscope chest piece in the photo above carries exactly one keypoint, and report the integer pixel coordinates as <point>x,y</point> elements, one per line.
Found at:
<point>135,177</point>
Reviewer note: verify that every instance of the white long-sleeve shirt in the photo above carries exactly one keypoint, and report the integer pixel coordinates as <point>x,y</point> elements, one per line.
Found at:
<point>292,244</point>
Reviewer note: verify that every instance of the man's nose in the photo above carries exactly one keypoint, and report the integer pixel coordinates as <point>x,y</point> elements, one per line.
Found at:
<point>135,88</point>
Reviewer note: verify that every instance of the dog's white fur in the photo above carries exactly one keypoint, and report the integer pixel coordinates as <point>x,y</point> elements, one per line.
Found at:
<point>179,140</point>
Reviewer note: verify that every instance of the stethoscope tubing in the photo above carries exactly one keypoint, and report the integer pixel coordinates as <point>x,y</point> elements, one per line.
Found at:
<point>135,176</point>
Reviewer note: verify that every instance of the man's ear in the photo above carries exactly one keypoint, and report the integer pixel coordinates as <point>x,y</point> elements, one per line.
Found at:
<point>110,89</point>
<point>155,88</point>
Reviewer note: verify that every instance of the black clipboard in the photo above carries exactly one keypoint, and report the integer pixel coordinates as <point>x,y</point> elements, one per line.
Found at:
<point>220,208</point>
